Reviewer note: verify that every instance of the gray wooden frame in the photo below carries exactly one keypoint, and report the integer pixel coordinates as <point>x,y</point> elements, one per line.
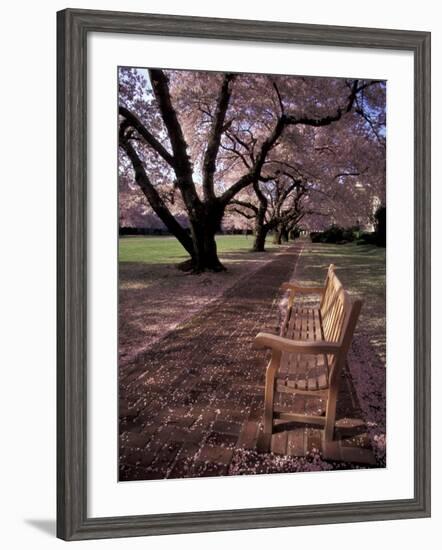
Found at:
<point>73,27</point>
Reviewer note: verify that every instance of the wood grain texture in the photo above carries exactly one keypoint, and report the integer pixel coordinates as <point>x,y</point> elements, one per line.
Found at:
<point>72,29</point>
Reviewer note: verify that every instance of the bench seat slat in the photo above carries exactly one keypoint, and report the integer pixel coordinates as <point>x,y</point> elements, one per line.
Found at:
<point>302,372</point>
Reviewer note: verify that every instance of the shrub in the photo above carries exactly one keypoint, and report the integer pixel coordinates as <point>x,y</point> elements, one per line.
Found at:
<point>335,235</point>
<point>379,236</point>
<point>340,235</point>
<point>315,237</point>
<point>367,238</point>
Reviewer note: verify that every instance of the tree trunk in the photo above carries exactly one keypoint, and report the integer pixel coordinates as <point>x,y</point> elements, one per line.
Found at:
<point>280,234</point>
<point>205,257</point>
<point>203,229</point>
<point>277,236</point>
<point>260,240</point>
<point>261,231</point>
<point>294,233</point>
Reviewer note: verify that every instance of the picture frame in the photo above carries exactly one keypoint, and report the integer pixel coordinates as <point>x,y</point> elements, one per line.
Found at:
<point>73,27</point>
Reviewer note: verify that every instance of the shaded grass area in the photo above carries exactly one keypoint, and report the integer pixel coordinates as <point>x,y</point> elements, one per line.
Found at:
<point>167,250</point>
<point>361,268</point>
<point>155,296</point>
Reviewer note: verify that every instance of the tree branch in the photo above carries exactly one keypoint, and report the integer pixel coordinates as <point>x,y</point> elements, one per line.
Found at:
<point>244,214</point>
<point>245,204</point>
<point>345,174</point>
<point>325,121</point>
<point>255,171</point>
<point>283,121</point>
<point>132,120</point>
<point>182,164</point>
<point>214,139</point>
<point>368,120</point>
<point>156,202</point>
<point>281,104</point>
<point>234,137</point>
<point>235,151</point>
<point>261,197</point>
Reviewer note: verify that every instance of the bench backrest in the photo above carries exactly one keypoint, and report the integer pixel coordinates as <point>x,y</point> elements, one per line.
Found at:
<point>332,306</point>
<point>339,314</point>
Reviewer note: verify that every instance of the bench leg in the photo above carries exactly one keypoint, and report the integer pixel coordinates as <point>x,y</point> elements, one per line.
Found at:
<point>268,404</point>
<point>330,415</point>
<point>269,397</point>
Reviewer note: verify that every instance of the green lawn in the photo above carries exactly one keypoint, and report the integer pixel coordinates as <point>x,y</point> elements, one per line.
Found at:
<point>360,267</point>
<point>165,250</point>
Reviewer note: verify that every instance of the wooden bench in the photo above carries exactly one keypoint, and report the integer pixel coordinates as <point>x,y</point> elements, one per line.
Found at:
<point>308,355</point>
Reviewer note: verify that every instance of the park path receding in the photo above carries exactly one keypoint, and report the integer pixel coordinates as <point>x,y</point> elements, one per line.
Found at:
<point>192,402</point>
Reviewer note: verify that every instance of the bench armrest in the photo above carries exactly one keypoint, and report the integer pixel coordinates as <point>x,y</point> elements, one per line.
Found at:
<point>279,343</point>
<point>302,289</point>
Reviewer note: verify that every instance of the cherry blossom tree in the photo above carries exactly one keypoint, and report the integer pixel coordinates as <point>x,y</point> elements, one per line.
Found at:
<point>195,142</point>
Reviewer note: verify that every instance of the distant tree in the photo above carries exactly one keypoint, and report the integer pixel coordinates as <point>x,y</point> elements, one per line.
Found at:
<point>276,206</point>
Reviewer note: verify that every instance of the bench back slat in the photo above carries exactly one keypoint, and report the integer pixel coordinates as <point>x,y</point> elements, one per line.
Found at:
<point>352,309</point>
<point>332,306</point>
<point>339,315</point>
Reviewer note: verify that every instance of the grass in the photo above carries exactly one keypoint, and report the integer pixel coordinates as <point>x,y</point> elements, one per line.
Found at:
<point>167,250</point>
<point>360,267</point>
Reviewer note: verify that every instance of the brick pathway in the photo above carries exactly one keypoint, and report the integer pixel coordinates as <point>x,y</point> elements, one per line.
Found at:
<point>195,399</point>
